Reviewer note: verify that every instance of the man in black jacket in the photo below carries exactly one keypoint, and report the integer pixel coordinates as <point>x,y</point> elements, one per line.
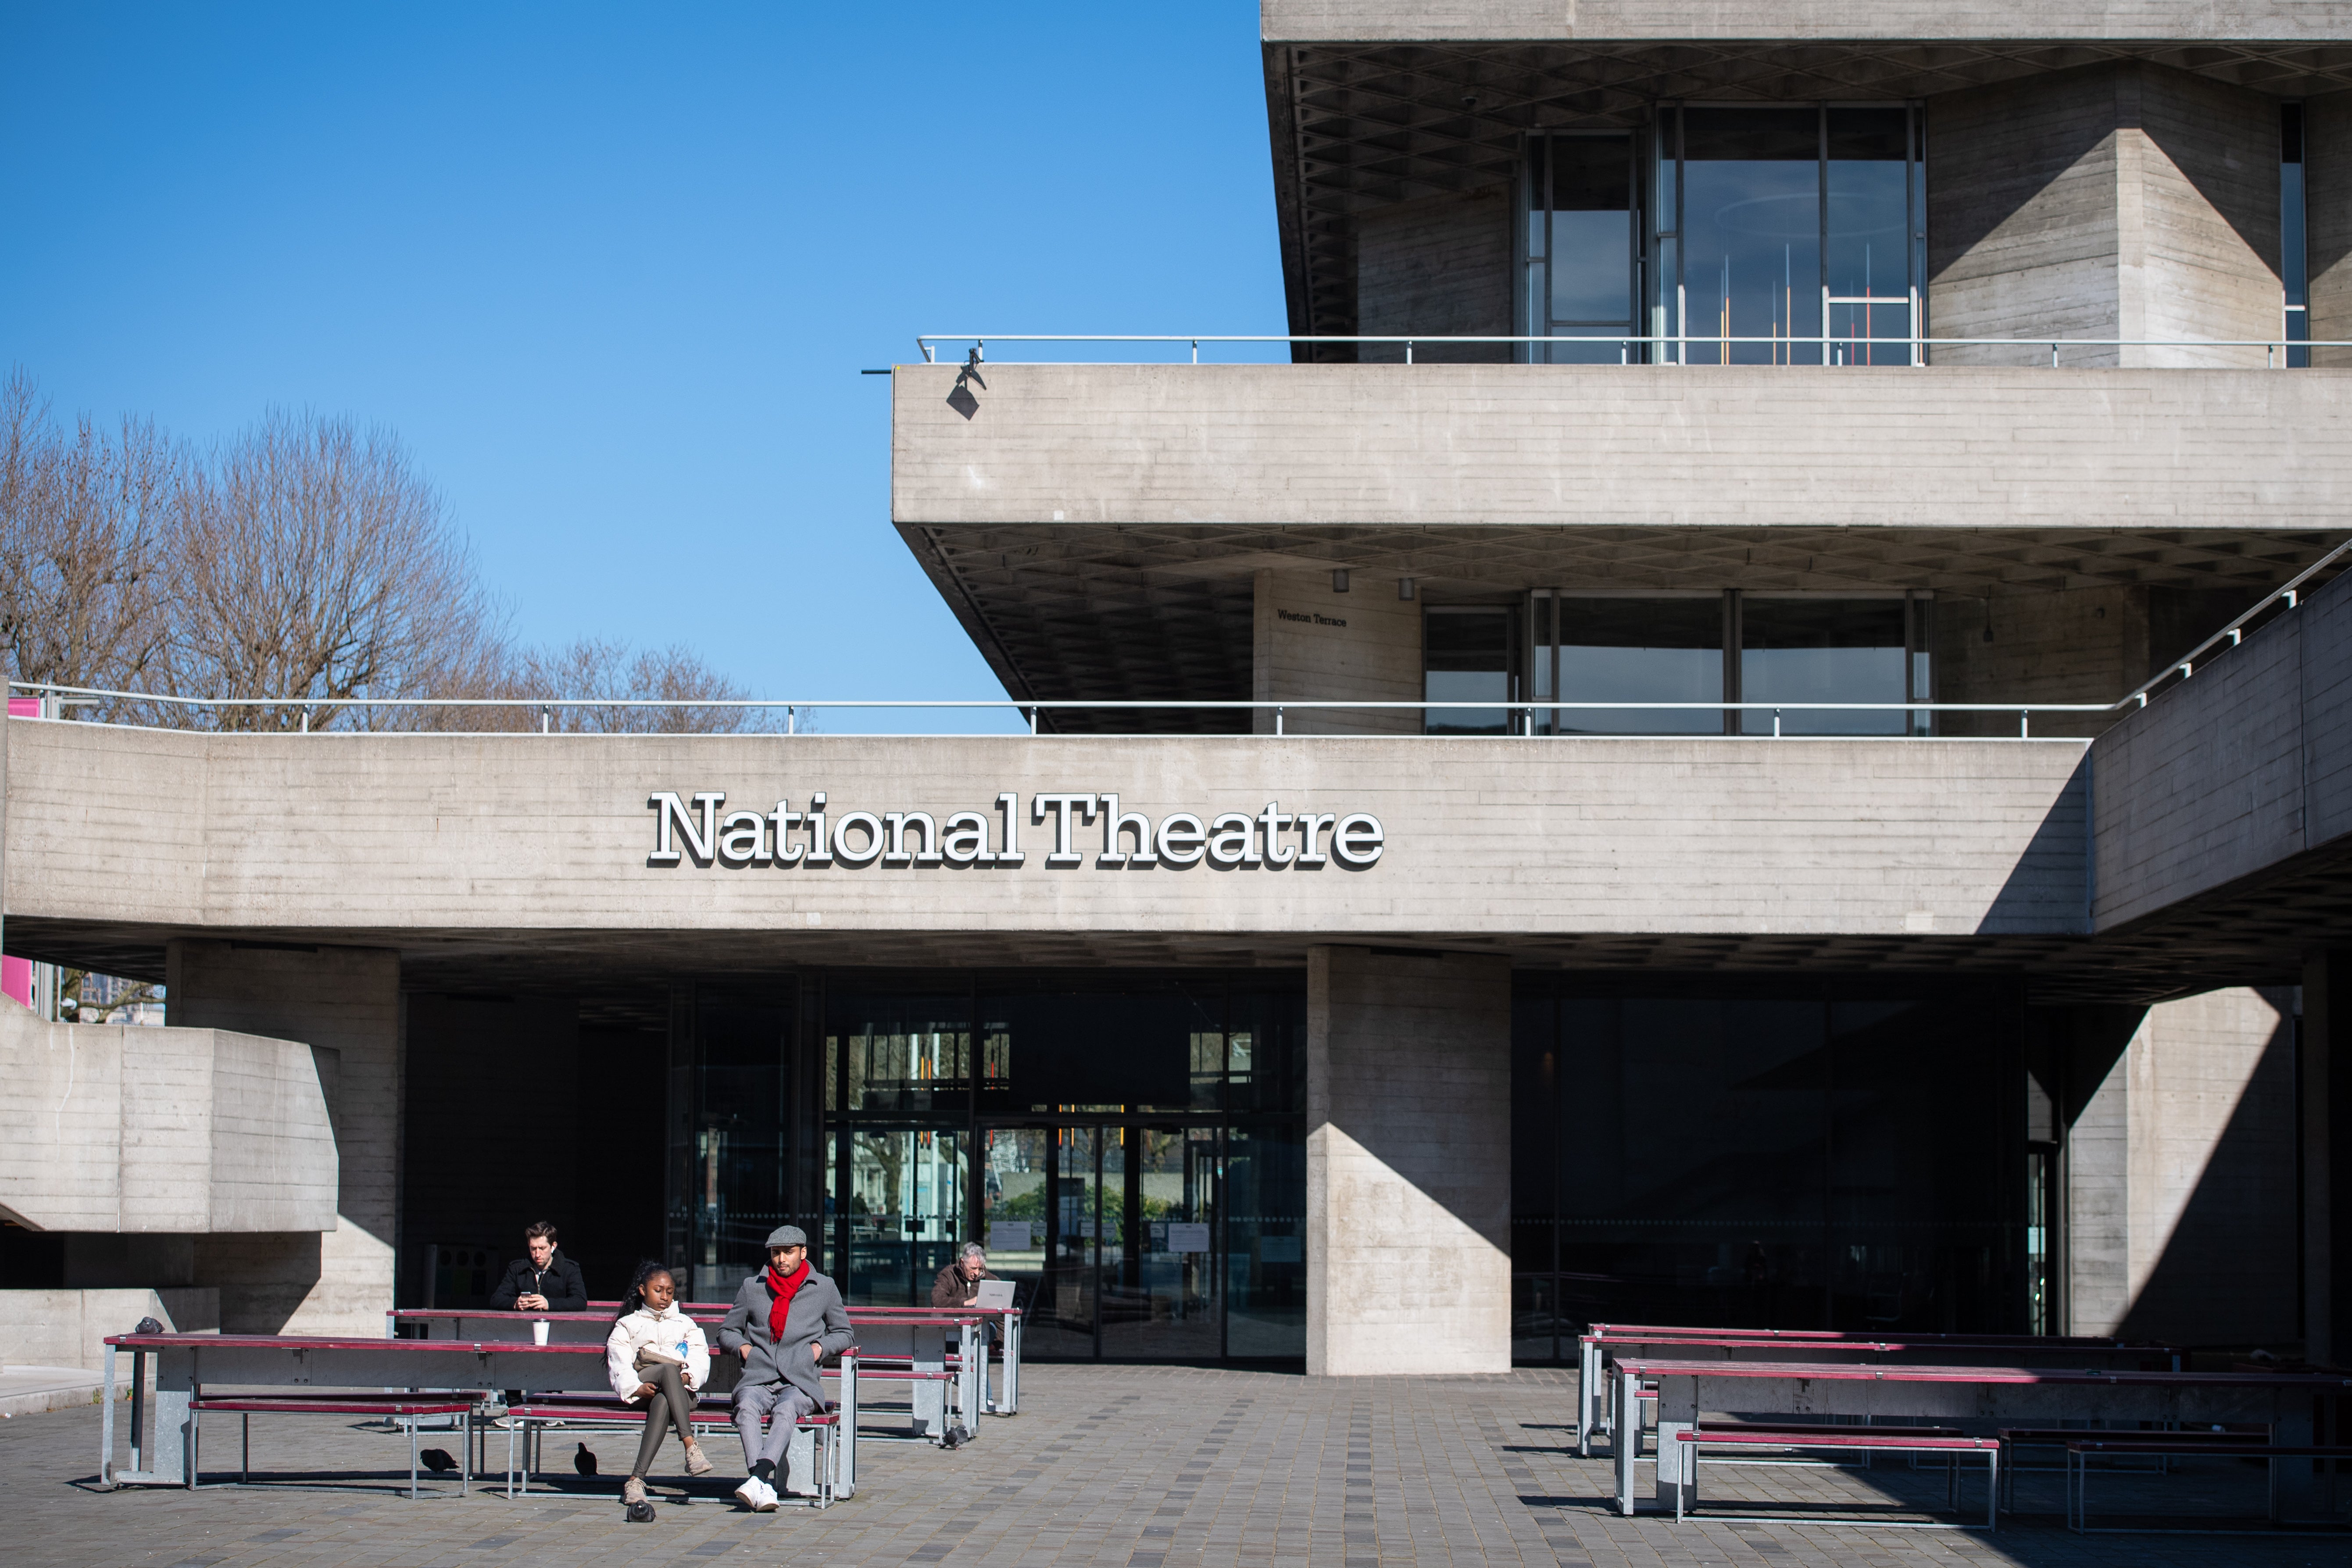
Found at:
<point>546,1281</point>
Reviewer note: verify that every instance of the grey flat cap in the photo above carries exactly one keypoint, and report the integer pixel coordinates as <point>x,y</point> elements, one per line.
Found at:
<point>787,1236</point>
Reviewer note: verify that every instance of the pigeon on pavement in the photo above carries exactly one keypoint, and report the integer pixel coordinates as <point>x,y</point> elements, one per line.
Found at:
<point>438,1460</point>
<point>583,1461</point>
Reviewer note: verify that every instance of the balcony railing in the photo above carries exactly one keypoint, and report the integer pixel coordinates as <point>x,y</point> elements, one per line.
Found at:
<point>57,699</point>
<point>1677,348</point>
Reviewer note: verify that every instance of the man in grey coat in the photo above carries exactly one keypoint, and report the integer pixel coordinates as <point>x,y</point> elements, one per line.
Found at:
<point>785,1322</point>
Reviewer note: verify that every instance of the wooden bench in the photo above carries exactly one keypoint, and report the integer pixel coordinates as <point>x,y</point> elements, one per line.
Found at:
<point>382,1406</point>
<point>1874,1440</point>
<point>2082,1448</point>
<point>609,1412</point>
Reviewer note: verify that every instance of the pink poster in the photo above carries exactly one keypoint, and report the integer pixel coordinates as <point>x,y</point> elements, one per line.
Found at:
<point>17,979</point>
<point>24,707</point>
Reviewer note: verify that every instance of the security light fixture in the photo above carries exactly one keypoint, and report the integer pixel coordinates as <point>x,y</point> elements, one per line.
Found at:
<point>1404,588</point>
<point>1338,579</point>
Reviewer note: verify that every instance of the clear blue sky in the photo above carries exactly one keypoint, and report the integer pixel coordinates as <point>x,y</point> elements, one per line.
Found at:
<point>611,276</point>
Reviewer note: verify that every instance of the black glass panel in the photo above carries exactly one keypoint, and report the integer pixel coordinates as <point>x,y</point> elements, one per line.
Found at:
<point>1640,650</point>
<point>1751,233</point>
<point>1466,657</point>
<point>1810,649</point>
<point>1867,176</point>
<point>741,1151</point>
<point>1266,1239</point>
<point>1105,1043</point>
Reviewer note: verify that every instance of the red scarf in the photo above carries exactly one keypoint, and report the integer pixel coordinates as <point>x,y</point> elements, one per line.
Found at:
<point>785,1285</point>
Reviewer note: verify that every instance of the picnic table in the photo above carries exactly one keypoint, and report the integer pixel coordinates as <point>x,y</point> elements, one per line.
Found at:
<point>2282,1403</point>
<point>1608,1342</point>
<point>893,1343</point>
<point>163,1448</point>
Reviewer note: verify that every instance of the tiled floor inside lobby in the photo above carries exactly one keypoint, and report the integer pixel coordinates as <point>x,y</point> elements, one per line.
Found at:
<point>1148,1467</point>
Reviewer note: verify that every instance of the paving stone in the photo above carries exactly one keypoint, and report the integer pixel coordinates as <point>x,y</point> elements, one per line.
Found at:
<point>1145,1467</point>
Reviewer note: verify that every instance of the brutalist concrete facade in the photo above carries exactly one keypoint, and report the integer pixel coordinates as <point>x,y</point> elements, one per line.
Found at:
<point>2133,907</point>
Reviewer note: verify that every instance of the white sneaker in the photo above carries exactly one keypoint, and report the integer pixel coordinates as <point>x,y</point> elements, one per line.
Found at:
<point>767,1503</point>
<point>748,1494</point>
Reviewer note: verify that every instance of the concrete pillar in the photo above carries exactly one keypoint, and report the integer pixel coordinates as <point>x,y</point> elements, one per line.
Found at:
<point>2327,221</point>
<point>1309,641</point>
<point>2181,1179</point>
<point>344,1001</point>
<point>1408,1163</point>
<point>2327,1082</point>
<point>2120,201</point>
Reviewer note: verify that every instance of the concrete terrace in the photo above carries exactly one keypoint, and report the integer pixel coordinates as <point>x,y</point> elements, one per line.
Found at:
<point>1149,1467</point>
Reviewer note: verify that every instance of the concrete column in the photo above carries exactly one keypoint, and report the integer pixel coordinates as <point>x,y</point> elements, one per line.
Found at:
<point>340,1000</point>
<point>2327,1084</point>
<point>1408,1163</point>
<point>2120,201</point>
<point>2327,221</point>
<point>2181,1177</point>
<point>1309,641</point>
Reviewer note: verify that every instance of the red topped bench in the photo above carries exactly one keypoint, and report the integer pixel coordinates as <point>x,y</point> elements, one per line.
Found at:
<point>1874,1440</point>
<point>395,1407</point>
<point>611,1411</point>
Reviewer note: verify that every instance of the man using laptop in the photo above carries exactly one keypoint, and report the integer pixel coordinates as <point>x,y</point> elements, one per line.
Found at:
<point>958,1284</point>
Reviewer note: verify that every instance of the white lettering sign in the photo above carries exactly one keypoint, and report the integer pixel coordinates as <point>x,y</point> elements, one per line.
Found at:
<point>694,828</point>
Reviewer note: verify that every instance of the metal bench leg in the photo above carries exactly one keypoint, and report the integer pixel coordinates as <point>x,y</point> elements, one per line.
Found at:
<point>195,1466</point>
<point>1992,1488</point>
<point>245,1448</point>
<point>466,1454</point>
<point>412,1459</point>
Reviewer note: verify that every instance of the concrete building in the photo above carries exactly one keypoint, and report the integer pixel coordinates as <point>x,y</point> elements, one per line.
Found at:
<point>1773,465</point>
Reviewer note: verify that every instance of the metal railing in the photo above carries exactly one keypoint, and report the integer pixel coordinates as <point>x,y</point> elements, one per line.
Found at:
<point>1659,349</point>
<point>1520,713</point>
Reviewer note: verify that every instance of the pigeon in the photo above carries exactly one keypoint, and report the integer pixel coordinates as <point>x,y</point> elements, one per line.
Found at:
<point>583,1461</point>
<point>438,1460</point>
<point>640,1513</point>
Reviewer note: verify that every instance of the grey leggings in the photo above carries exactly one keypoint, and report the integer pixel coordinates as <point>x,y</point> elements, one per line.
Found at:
<point>674,1403</point>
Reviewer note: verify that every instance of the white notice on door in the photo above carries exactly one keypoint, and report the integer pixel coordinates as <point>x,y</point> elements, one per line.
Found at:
<point>1183,1238</point>
<point>1008,1236</point>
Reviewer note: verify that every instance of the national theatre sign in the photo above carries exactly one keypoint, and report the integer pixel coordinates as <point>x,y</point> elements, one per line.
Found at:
<point>694,828</point>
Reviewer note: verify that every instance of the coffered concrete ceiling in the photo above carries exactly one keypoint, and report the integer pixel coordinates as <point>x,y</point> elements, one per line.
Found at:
<point>1357,126</point>
<point>1147,613</point>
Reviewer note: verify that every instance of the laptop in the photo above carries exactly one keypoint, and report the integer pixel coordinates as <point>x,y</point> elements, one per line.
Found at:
<point>996,1295</point>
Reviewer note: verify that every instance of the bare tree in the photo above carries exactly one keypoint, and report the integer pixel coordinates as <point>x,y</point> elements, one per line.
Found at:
<point>315,563</point>
<point>606,670</point>
<point>86,541</point>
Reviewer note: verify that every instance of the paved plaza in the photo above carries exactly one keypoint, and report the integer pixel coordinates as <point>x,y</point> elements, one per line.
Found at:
<point>1134,1466</point>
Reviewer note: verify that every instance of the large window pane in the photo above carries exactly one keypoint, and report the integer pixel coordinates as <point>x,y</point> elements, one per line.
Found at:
<point>1466,657</point>
<point>1581,248</point>
<point>1751,233</point>
<point>1867,259</point>
<point>905,1207</point>
<point>1638,650</point>
<point>1807,648</point>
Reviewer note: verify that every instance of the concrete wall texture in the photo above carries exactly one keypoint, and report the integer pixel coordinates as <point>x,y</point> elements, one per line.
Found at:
<point>1626,445</point>
<point>70,1328</point>
<point>1440,264</point>
<point>346,1000</point>
<point>1408,1163</point>
<point>1311,642</point>
<point>1766,20</point>
<point>2121,201</point>
<point>2229,772</point>
<point>2181,1179</point>
<point>181,1132</point>
<point>361,834</point>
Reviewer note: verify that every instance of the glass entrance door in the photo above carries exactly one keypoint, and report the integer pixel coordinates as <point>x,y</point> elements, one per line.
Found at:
<point>1111,1231</point>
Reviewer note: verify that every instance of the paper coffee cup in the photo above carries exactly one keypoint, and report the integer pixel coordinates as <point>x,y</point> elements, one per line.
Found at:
<point>539,1332</point>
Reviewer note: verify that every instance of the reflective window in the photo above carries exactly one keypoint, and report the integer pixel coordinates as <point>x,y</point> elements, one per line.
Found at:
<point>1835,1157</point>
<point>1466,657</point>
<point>1789,235</point>
<point>1624,648</point>
<point>1811,648</point>
<point>1581,255</point>
<point>2295,267</point>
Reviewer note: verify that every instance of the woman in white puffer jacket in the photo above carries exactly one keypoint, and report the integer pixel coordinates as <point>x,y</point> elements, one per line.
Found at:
<point>657,1354</point>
